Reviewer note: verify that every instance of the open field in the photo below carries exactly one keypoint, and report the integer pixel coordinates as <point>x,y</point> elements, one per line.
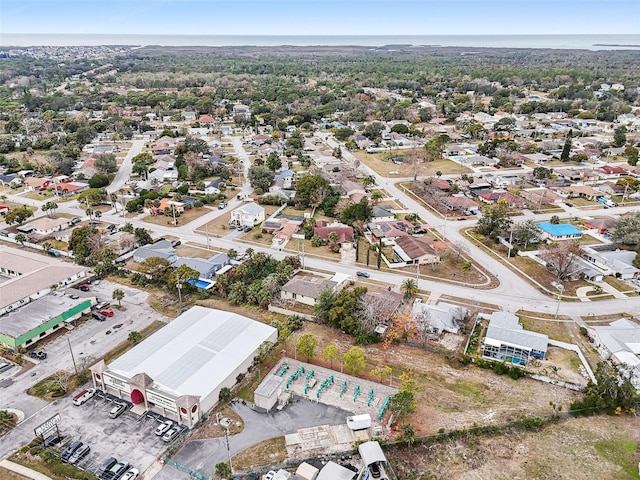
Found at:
<point>185,217</point>
<point>600,447</point>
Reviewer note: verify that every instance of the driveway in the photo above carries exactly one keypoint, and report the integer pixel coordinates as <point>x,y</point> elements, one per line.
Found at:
<point>202,455</point>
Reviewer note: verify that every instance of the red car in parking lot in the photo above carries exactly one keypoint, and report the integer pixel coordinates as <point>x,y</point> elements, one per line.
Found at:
<point>107,312</point>
<point>84,287</point>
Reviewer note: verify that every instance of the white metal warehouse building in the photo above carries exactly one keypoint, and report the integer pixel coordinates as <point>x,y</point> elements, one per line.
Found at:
<point>181,369</point>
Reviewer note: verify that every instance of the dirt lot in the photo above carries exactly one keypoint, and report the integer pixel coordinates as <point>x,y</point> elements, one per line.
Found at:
<point>600,447</point>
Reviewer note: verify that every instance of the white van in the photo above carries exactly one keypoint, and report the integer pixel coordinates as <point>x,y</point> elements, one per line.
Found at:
<point>83,396</point>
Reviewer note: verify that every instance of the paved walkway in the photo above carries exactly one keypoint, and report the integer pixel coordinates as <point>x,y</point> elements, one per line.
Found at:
<point>24,471</point>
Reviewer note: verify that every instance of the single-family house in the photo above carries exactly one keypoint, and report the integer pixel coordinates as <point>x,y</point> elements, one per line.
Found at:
<point>206,120</point>
<point>584,191</point>
<point>612,171</point>
<point>437,183</point>
<point>284,179</point>
<point>207,268</point>
<point>213,187</point>
<point>437,319</point>
<point>601,224</point>
<point>611,260</point>
<point>513,201</point>
<point>619,342</point>
<point>241,112</point>
<point>249,214</point>
<point>558,231</point>
<point>536,197</point>
<point>461,203</point>
<point>390,230</point>
<point>344,232</point>
<point>416,250</point>
<point>382,213</point>
<point>306,290</point>
<point>506,340</point>
<point>611,188</point>
<point>163,249</point>
<point>46,225</point>
<point>354,191</point>
<point>167,205</point>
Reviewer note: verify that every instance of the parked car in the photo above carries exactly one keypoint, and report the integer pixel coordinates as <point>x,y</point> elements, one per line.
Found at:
<point>163,427</point>
<point>270,474</point>
<point>105,466</point>
<point>118,410</point>
<point>79,454</point>
<point>83,396</point>
<point>38,354</point>
<point>84,287</point>
<point>222,205</point>
<point>107,312</point>
<point>374,468</point>
<point>73,296</point>
<point>116,471</point>
<point>101,305</point>
<point>171,434</point>
<point>98,316</point>
<point>74,220</point>
<point>248,228</point>
<point>70,450</point>
<point>362,274</point>
<point>132,474</point>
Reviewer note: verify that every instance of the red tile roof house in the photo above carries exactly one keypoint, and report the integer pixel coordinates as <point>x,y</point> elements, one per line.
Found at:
<point>438,183</point>
<point>206,119</point>
<point>460,203</point>
<point>514,201</point>
<point>323,229</point>
<point>601,224</point>
<point>416,250</point>
<point>614,171</point>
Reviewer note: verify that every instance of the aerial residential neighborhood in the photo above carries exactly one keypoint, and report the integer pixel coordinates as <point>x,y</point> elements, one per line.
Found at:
<point>256,276</point>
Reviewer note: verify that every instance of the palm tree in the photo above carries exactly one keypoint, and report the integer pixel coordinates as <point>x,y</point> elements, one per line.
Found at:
<point>89,213</point>
<point>368,181</point>
<point>376,196</point>
<point>409,287</point>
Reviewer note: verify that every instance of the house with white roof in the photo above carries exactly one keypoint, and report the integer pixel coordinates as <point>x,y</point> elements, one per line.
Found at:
<point>250,214</point>
<point>619,343</point>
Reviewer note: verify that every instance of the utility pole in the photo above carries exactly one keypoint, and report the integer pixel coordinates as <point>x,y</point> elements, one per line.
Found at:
<point>560,290</point>
<point>226,442</point>
<point>72,357</point>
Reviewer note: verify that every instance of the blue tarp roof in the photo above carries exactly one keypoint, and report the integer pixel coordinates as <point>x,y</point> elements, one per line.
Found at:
<point>558,230</point>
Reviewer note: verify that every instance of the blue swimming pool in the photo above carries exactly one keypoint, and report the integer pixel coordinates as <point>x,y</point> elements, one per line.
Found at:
<point>204,284</point>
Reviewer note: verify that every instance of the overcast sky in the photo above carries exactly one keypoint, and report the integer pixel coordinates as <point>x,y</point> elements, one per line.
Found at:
<point>326,17</point>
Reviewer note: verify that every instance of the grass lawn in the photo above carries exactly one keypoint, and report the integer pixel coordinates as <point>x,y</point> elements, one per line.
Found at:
<point>379,163</point>
<point>9,475</point>
<point>186,217</point>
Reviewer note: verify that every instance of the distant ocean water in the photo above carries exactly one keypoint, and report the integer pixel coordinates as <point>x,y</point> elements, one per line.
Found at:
<point>589,42</point>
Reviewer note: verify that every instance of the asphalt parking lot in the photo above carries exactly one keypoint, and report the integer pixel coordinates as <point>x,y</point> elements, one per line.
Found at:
<point>88,341</point>
<point>128,437</point>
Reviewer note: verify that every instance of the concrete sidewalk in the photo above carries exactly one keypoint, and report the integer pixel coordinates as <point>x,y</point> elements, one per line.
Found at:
<point>24,471</point>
